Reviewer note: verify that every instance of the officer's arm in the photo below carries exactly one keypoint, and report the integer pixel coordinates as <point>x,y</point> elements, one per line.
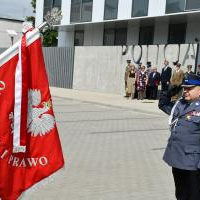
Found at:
<point>165,103</point>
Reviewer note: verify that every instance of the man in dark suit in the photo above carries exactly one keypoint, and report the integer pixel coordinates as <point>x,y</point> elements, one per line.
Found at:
<point>148,72</point>
<point>153,82</point>
<point>165,76</point>
<point>126,76</point>
<point>183,149</point>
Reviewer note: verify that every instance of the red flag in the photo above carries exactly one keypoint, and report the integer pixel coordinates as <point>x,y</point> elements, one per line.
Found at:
<point>30,148</point>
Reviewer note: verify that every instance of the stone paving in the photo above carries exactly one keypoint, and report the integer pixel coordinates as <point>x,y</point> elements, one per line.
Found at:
<point>111,153</point>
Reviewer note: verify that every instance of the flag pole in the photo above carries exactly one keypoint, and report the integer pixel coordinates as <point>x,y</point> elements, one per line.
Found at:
<point>14,50</point>
<point>52,17</point>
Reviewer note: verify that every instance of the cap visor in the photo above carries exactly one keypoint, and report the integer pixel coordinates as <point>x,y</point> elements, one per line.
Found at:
<point>187,86</point>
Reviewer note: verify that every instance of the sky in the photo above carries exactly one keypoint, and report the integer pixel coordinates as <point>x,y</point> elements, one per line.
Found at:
<point>15,9</point>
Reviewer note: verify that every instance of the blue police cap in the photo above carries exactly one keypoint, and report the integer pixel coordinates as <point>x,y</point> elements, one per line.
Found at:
<point>191,80</point>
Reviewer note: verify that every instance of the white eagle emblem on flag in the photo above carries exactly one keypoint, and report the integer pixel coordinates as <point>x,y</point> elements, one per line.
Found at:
<point>39,121</point>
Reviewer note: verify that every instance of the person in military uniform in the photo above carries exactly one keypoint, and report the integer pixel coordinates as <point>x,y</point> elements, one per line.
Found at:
<point>126,76</point>
<point>183,149</point>
<point>131,82</point>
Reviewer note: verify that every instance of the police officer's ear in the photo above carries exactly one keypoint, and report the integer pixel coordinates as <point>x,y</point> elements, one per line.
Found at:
<point>199,90</point>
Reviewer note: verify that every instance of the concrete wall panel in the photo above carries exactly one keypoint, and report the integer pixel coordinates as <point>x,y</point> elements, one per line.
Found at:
<point>102,68</point>
<point>99,69</point>
<point>39,12</point>
<point>66,10</point>
<point>65,39</point>
<point>124,9</point>
<point>156,8</point>
<point>98,11</point>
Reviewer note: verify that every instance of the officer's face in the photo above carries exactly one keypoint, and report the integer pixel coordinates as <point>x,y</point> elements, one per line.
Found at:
<point>166,62</point>
<point>191,93</point>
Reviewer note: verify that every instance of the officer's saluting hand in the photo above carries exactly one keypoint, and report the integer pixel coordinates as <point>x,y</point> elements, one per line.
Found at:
<point>183,149</point>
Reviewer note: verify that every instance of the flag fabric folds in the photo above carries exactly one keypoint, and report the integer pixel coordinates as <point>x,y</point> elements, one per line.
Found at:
<point>30,148</point>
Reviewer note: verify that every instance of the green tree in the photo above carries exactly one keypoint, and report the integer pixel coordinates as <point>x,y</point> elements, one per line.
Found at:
<point>32,18</point>
<point>33,3</point>
<point>50,38</point>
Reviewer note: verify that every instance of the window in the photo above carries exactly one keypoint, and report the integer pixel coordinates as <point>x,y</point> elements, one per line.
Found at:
<point>75,10</point>
<point>114,36</point>
<point>109,37</point>
<point>192,5</point>
<point>79,38</point>
<point>177,33</point>
<point>120,36</point>
<point>86,10</point>
<point>173,6</point>
<point>146,35</point>
<point>81,10</point>
<point>49,4</point>
<point>111,9</point>
<point>57,3</point>
<point>140,8</point>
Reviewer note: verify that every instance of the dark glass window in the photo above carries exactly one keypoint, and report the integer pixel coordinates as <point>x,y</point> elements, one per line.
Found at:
<point>109,37</point>
<point>79,38</point>
<point>57,3</point>
<point>114,36</point>
<point>111,9</point>
<point>140,8</point>
<point>81,10</point>
<point>75,10</point>
<point>192,4</point>
<point>49,4</point>
<point>177,33</point>
<point>120,36</point>
<point>173,6</point>
<point>86,10</point>
<point>146,35</point>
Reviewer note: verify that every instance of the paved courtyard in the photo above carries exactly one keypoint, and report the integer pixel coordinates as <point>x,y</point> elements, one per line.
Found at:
<point>111,153</point>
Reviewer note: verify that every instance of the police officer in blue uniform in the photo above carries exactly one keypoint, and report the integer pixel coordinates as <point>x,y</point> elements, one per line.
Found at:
<point>183,149</point>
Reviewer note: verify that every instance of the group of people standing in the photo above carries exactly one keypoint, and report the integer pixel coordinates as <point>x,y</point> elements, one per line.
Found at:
<point>143,82</point>
<point>140,82</point>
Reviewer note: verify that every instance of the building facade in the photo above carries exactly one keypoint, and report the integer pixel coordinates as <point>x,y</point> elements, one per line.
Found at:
<point>105,33</point>
<point>124,22</point>
<point>7,26</point>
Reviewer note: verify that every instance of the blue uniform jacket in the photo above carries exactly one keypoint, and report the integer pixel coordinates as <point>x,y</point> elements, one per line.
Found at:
<point>183,148</point>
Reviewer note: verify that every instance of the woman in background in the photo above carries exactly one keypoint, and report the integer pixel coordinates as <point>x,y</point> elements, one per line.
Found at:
<point>141,80</point>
